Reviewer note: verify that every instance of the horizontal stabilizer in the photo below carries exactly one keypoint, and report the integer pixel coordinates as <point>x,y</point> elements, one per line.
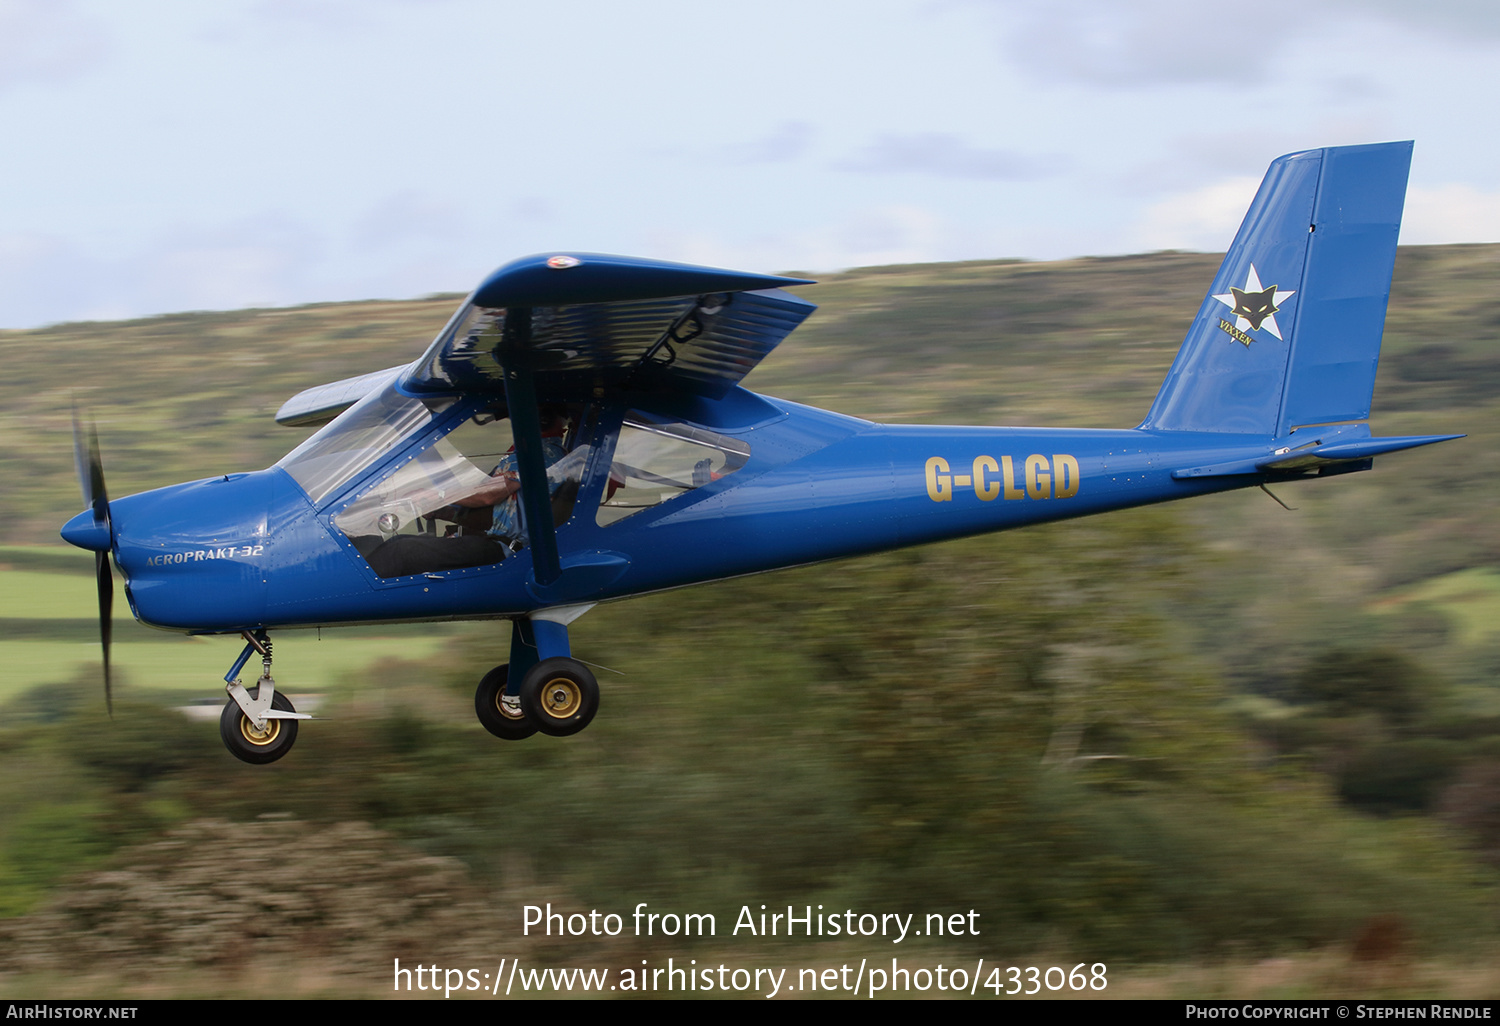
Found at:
<point>1362,449</point>
<point>1313,457</point>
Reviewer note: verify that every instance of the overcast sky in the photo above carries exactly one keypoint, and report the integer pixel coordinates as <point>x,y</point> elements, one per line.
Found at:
<point>163,155</point>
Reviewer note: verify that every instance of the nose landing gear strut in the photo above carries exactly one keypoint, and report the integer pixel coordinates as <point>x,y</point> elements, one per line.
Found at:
<point>258,726</point>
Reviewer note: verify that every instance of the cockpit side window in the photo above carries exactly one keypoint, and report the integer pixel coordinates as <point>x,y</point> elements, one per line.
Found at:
<point>657,461</point>
<point>456,503</point>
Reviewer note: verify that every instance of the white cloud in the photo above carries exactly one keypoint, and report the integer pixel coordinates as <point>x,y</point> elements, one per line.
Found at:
<point>1460,18</point>
<point>1146,42</point>
<point>407,217</point>
<point>254,262</point>
<point>1170,42</point>
<point>332,16</point>
<point>945,155</point>
<point>1450,213</point>
<point>1202,219</point>
<point>271,259</point>
<point>1206,218</point>
<point>892,234</point>
<point>788,141</point>
<point>46,41</point>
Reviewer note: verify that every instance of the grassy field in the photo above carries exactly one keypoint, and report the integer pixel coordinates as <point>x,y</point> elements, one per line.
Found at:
<point>1470,599</point>
<point>49,633</point>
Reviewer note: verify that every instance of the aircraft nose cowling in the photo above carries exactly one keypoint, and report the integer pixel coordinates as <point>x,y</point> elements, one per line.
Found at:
<point>196,556</point>
<point>86,532</point>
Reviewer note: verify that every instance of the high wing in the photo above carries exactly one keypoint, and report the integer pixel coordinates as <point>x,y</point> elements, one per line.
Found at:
<point>593,321</point>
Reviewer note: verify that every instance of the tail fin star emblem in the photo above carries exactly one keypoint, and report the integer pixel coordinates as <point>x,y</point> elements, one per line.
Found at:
<point>1255,307</point>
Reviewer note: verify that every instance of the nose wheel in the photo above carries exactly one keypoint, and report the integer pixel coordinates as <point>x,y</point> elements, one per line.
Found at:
<point>257,745</point>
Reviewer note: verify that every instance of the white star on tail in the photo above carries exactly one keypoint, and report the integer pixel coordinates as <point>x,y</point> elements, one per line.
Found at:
<point>1254,301</point>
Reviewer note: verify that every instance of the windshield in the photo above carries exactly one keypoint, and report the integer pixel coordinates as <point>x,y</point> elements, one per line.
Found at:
<point>357,438</point>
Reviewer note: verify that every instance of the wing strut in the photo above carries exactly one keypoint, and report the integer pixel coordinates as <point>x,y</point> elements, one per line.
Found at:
<point>513,355</point>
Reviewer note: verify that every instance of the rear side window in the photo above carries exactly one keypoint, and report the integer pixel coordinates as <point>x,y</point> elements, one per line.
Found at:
<point>655,462</point>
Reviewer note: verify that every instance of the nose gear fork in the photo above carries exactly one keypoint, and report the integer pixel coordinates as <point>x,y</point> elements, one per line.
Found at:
<point>257,710</point>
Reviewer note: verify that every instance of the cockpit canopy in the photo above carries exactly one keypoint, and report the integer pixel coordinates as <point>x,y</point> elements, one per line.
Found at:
<point>444,494</point>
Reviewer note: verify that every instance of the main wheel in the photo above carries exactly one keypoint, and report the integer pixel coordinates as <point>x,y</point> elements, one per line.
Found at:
<point>257,746</point>
<point>499,719</point>
<point>560,696</point>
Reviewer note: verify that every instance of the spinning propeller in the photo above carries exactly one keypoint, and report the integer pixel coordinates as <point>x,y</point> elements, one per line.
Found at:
<point>96,536</point>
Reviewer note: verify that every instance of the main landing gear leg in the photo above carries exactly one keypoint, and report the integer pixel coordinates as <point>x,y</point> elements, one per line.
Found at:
<point>542,687</point>
<point>257,727</point>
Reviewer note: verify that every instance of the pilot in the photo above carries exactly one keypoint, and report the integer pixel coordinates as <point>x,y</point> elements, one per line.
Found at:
<point>502,491</point>
<point>405,554</point>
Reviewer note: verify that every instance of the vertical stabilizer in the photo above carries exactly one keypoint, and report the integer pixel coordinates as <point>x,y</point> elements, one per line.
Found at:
<point>1289,333</point>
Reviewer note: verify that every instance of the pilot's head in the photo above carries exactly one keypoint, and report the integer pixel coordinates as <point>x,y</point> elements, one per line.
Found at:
<point>556,417</point>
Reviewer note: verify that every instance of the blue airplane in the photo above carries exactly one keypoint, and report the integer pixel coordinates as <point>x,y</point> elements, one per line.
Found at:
<point>577,433</point>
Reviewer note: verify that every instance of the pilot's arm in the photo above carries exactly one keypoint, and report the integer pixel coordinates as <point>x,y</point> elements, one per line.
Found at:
<point>501,486</point>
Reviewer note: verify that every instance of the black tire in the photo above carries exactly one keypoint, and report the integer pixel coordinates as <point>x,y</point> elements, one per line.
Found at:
<point>560,696</point>
<point>242,740</point>
<point>492,714</point>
